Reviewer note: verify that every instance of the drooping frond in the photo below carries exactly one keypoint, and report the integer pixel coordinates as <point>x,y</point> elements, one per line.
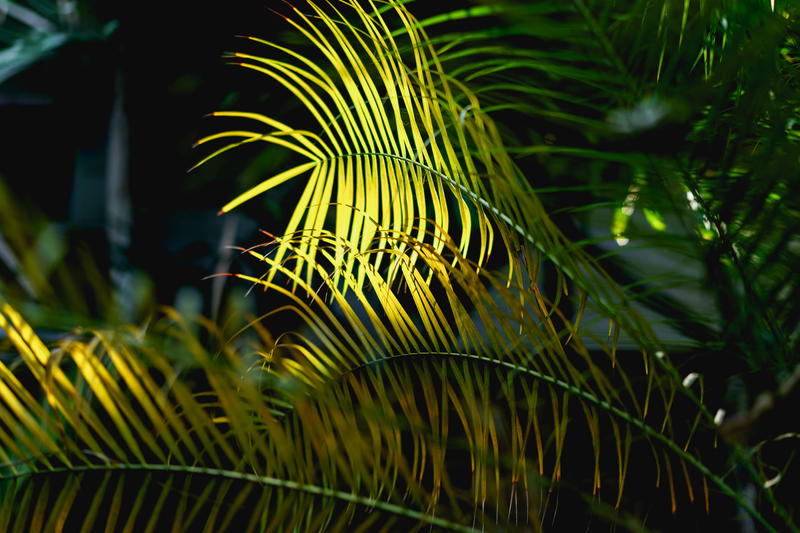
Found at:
<point>421,392</point>
<point>396,137</point>
<point>472,328</point>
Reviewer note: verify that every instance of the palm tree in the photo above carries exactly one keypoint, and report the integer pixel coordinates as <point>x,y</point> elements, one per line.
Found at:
<point>472,352</point>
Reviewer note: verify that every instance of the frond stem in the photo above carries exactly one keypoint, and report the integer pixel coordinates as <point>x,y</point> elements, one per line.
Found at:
<point>616,411</point>
<point>608,308</point>
<point>474,196</point>
<point>261,480</point>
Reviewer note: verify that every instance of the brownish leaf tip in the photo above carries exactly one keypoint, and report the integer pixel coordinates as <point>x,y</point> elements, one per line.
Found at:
<point>284,17</point>
<point>217,275</point>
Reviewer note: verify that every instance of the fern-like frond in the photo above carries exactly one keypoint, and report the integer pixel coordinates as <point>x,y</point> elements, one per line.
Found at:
<point>398,139</point>
<point>473,327</point>
<point>447,396</point>
<point>123,424</point>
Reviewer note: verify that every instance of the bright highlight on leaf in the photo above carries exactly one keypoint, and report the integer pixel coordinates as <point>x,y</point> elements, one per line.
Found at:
<point>655,219</point>
<point>400,141</point>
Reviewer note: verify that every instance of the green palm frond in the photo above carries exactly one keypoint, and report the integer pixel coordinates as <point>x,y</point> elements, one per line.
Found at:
<point>426,384</point>
<point>378,406</point>
<point>698,98</point>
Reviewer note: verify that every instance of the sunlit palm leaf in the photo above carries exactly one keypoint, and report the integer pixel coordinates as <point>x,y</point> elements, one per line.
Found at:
<point>399,138</point>
<point>112,413</point>
<point>400,141</point>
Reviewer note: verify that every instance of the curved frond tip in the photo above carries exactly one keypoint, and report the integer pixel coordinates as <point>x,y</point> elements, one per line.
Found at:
<point>399,141</point>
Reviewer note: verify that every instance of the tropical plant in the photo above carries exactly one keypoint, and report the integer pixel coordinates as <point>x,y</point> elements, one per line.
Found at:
<point>447,367</point>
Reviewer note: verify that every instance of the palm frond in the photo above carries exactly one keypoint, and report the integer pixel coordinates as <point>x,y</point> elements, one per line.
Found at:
<point>119,417</point>
<point>423,387</point>
<point>487,377</point>
<point>399,138</point>
<point>125,415</point>
<point>471,317</point>
<point>432,151</point>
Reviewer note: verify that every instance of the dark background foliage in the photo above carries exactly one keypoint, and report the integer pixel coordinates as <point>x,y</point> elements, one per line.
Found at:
<point>166,64</point>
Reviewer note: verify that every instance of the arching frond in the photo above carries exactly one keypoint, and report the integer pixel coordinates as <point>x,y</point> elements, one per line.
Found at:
<point>442,396</point>
<point>472,328</point>
<point>444,402</point>
<point>119,418</point>
<point>399,140</point>
<point>212,443</point>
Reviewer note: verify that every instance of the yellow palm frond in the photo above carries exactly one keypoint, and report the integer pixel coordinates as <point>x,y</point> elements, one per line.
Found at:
<point>399,140</point>
<point>402,146</point>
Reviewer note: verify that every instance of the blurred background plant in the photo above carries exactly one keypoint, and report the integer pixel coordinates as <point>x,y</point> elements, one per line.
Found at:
<point>117,110</point>
<point>659,137</point>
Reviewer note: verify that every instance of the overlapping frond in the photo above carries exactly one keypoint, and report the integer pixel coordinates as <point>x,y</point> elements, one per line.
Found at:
<point>421,389</point>
<point>392,393</point>
<point>478,320</point>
